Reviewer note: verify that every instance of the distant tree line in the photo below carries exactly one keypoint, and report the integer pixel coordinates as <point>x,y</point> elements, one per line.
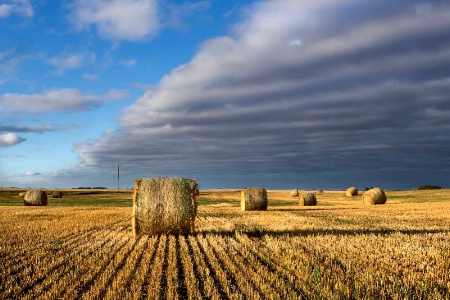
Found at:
<point>90,188</point>
<point>429,187</point>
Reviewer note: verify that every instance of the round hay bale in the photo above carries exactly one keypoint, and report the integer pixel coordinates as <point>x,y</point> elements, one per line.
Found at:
<point>35,198</point>
<point>22,194</point>
<point>318,192</point>
<point>164,205</point>
<point>374,196</point>
<point>254,199</point>
<point>57,194</point>
<point>350,192</point>
<point>294,193</point>
<point>308,199</point>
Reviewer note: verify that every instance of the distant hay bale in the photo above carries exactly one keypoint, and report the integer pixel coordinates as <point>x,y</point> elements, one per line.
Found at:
<point>254,199</point>
<point>308,199</point>
<point>318,192</point>
<point>164,206</point>
<point>35,198</point>
<point>57,194</point>
<point>22,194</point>
<point>374,196</point>
<point>294,193</point>
<point>350,192</point>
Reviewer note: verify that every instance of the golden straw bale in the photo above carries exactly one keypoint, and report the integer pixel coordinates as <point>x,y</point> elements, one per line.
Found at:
<point>164,206</point>
<point>374,196</point>
<point>350,192</point>
<point>308,199</point>
<point>294,193</point>
<point>254,199</point>
<point>35,198</point>
<point>57,194</point>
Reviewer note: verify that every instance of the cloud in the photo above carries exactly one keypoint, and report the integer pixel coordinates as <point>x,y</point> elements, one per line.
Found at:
<point>32,174</point>
<point>128,63</point>
<point>300,92</point>
<point>20,7</point>
<point>10,139</point>
<point>57,100</point>
<point>90,76</point>
<point>177,14</point>
<point>118,19</point>
<point>33,128</point>
<point>66,62</point>
<point>10,59</point>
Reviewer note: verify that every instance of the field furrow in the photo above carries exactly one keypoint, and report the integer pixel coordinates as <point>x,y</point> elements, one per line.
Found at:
<point>238,273</point>
<point>272,285</point>
<point>208,282</point>
<point>139,282</point>
<point>156,281</point>
<point>106,277</point>
<point>46,264</point>
<point>226,281</point>
<point>191,285</point>
<point>64,276</point>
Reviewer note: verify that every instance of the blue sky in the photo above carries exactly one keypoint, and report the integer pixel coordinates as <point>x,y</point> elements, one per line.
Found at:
<point>279,94</point>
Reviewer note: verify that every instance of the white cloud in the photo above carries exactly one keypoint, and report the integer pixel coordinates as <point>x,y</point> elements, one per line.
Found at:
<point>32,174</point>
<point>5,10</point>
<point>118,19</point>
<point>178,13</point>
<point>66,62</point>
<point>10,59</point>
<point>57,100</point>
<point>20,7</point>
<point>88,76</point>
<point>128,63</point>
<point>10,139</point>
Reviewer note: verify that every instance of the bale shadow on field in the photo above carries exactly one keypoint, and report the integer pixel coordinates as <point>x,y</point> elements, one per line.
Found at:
<point>258,233</point>
<point>309,208</point>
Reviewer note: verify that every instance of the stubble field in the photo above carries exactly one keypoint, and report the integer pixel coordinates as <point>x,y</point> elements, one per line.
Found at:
<point>82,247</point>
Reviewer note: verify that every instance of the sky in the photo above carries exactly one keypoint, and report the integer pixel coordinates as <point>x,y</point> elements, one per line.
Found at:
<point>279,94</point>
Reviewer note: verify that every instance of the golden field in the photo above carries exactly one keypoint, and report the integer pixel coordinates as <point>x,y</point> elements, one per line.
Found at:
<point>82,247</point>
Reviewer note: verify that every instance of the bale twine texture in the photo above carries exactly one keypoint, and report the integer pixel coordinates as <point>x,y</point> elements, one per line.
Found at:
<point>294,193</point>
<point>35,198</point>
<point>308,199</point>
<point>374,196</point>
<point>350,192</point>
<point>164,206</point>
<point>254,199</point>
<point>57,194</point>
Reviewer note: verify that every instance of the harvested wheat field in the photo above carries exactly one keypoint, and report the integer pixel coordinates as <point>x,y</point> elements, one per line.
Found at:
<point>338,249</point>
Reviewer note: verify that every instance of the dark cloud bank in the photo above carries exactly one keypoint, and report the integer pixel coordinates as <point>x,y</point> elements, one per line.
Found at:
<point>307,94</point>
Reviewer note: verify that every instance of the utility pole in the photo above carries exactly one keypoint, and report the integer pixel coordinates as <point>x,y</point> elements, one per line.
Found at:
<point>118,178</point>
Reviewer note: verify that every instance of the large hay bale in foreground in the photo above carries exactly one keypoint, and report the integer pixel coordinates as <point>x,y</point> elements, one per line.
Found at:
<point>35,198</point>
<point>350,192</point>
<point>308,199</point>
<point>294,193</point>
<point>374,196</point>
<point>57,194</point>
<point>164,206</point>
<point>254,199</point>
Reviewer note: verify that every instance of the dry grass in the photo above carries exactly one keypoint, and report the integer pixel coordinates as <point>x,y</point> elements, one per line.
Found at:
<point>339,249</point>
